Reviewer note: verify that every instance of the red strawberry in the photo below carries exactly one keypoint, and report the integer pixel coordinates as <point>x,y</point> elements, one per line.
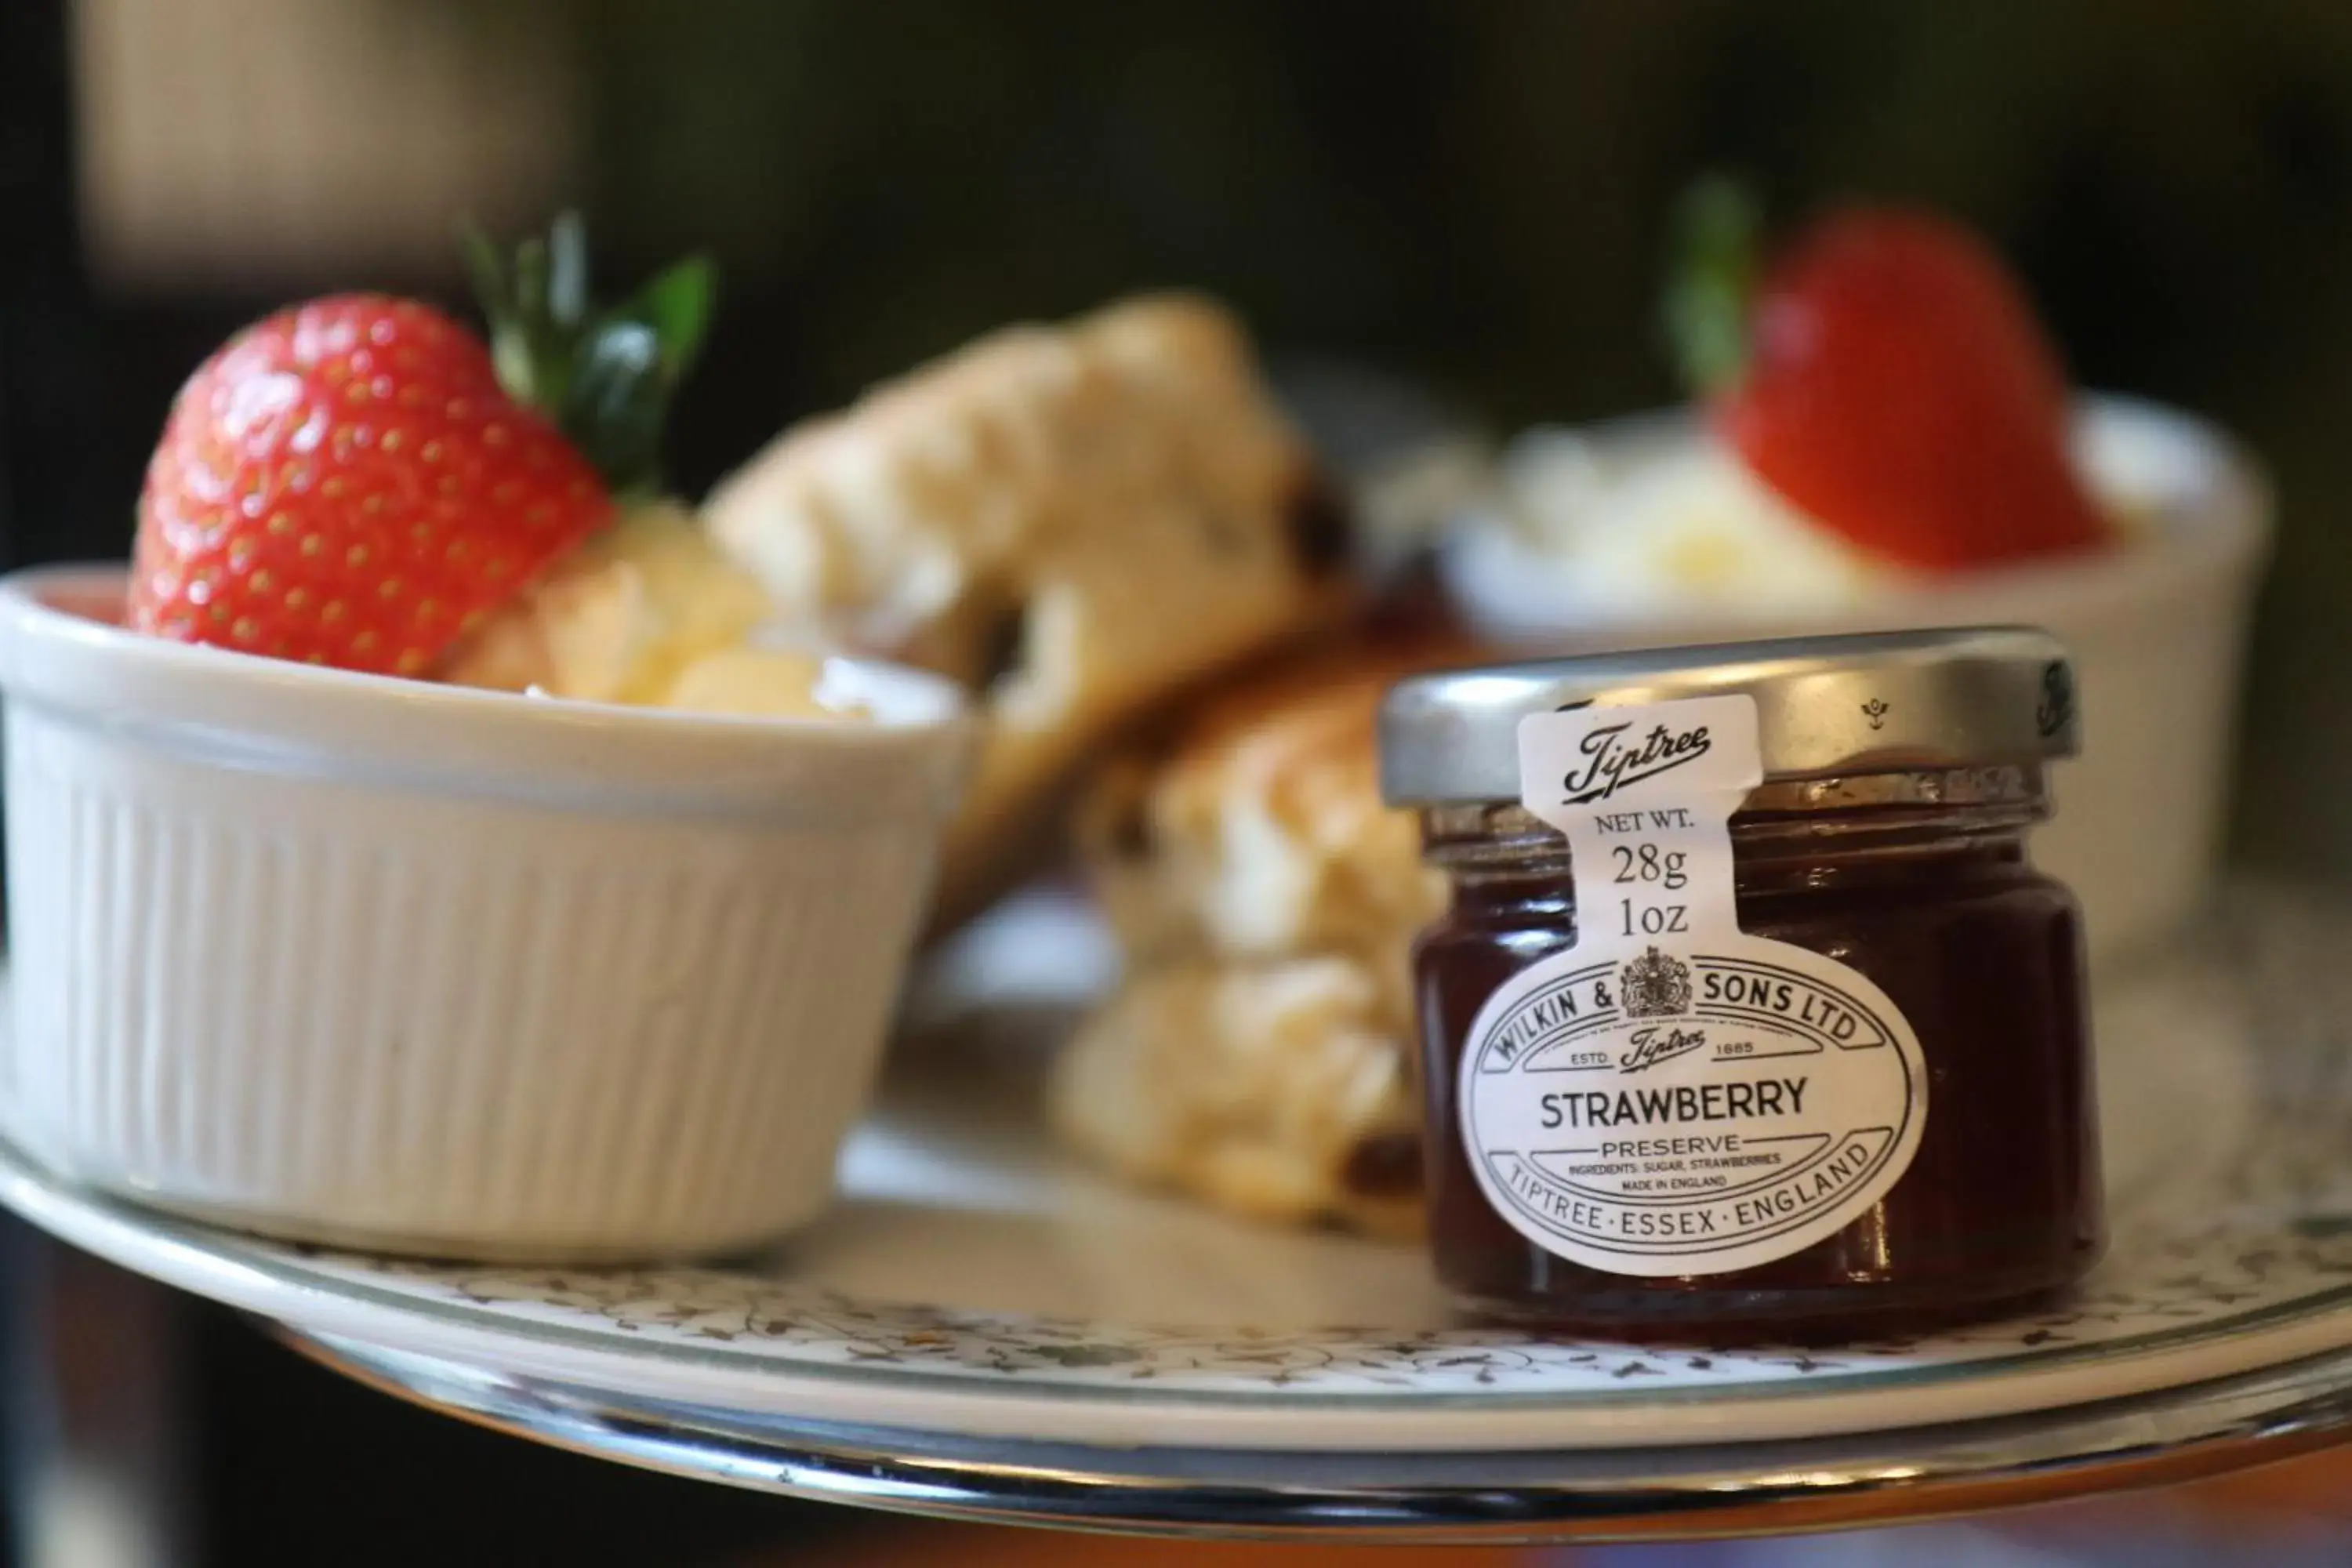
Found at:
<point>1889,379</point>
<point>356,481</point>
<point>345,482</point>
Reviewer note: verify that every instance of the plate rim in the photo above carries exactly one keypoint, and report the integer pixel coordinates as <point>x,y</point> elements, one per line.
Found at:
<point>270,1278</point>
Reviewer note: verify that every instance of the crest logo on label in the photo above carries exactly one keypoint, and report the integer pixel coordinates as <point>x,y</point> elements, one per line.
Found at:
<point>1654,986</point>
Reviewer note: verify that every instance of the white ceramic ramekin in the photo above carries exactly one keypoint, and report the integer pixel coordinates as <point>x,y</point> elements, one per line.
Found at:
<point>383,963</point>
<point>2157,630</point>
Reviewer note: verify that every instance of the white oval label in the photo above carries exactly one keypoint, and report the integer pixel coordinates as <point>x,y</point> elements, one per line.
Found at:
<point>1672,1096</point>
<point>1676,1111</point>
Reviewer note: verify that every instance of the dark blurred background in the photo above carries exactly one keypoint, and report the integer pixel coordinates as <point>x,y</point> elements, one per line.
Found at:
<point>1470,194</point>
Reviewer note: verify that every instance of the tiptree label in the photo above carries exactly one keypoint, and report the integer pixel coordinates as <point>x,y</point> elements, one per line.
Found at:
<point>1672,1096</point>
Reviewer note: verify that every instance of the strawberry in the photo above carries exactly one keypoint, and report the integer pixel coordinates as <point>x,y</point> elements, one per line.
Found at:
<point>356,480</point>
<point>346,482</point>
<point>1886,377</point>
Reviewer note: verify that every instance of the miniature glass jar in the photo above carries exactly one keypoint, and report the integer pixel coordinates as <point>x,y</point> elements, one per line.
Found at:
<point>1900,776</point>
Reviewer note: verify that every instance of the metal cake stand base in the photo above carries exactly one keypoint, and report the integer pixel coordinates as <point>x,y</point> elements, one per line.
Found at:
<point>1627,1494</point>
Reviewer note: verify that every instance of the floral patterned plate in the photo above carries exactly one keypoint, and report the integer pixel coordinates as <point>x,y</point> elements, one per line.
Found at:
<point>975,1283</point>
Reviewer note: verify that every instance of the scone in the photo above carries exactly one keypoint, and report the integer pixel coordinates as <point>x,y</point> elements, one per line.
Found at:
<point>1076,522</point>
<point>1259,833</point>
<point>1281,1090</point>
<point>1259,1054</point>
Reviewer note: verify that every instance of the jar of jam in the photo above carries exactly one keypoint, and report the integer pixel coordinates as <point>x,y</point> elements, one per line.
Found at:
<point>1751,1015</point>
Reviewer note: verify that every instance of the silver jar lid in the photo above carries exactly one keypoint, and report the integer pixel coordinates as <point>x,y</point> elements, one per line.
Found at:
<point>1886,702</point>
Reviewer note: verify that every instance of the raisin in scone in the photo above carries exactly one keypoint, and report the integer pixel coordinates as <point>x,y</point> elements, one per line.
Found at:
<point>1259,1054</point>
<point>1076,522</point>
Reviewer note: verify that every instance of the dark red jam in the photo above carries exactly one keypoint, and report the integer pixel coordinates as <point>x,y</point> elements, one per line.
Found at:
<point>1920,881</point>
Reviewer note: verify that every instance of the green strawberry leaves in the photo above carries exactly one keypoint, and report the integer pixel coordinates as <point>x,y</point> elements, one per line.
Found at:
<point>1711,281</point>
<point>606,376</point>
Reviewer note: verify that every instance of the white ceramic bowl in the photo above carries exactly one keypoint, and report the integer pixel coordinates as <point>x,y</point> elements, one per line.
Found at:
<point>2158,629</point>
<point>383,963</point>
